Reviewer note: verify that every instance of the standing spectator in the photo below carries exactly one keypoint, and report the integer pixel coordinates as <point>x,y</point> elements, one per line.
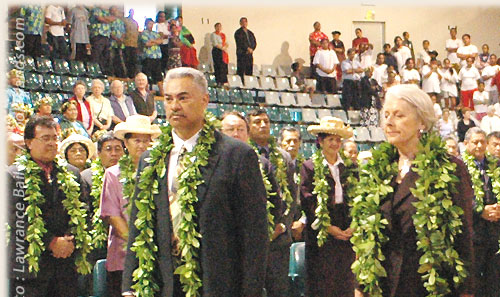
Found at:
<point>245,46</point>
<point>449,84</point>
<point>468,50</point>
<point>464,124</point>
<point>452,46</point>
<point>56,19</point>
<point>79,37</point>
<point>151,64</point>
<point>219,54</point>
<point>174,47</point>
<point>162,27</point>
<point>100,32</point>
<point>431,78</point>
<point>437,107</point>
<point>359,40</point>
<point>338,46</point>
<point>314,45</point>
<point>468,76</point>
<point>490,122</point>
<point>351,74</point>
<point>325,62</point>
<point>487,75</point>
<point>368,99</point>
<point>380,70</point>
<point>188,51</point>
<point>33,29</point>
<point>423,56</point>
<point>410,75</point>
<point>401,53</point>
<point>481,101</point>
<point>101,107</point>
<point>408,43</point>
<point>123,105</point>
<point>389,58</point>
<point>68,120</point>
<point>117,35</point>
<point>130,41</point>
<point>445,125</point>
<point>83,106</point>
<point>14,93</point>
<point>365,55</point>
<point>483,58</point>
<point>144,101</point>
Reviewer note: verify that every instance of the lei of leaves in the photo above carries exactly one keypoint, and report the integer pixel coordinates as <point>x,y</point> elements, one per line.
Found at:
<point>144,246</point>
<point>299,161</point>
<point>127,179</point>
<point>321,189</point>
<point>437,221</point>
<point>72,204</point>
<point>99,232</point>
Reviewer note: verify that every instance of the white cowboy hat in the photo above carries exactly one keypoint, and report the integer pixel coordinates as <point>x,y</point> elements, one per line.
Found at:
<point>138,124</point>
<point>331,125</point>
<point>77,138</point>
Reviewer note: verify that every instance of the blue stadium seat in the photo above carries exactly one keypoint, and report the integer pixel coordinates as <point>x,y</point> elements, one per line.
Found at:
<point>99,274</point>
<point>33,81</point>
<point>51,82</point>
<point>94,70</point>
<point>297,270</point>
<point>77,68</point>
<point>61,67</point>
<point>67,83</point>
<point>29,64</point>
<point>44,65</point>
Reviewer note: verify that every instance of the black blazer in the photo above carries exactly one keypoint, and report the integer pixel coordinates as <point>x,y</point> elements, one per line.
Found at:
<point>243,43</point>
<point>232,218</point>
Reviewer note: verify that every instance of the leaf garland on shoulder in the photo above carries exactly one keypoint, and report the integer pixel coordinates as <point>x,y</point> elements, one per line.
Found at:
<point>98,233</point>
<point>436,220</point>
<point>144,245</point>
<point>127,179</point>
<point>298,161</point>
<point>74,207</point>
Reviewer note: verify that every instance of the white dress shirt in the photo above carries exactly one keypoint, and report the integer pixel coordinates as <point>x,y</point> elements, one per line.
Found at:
<point>334,170</point>
<point>174,153</point>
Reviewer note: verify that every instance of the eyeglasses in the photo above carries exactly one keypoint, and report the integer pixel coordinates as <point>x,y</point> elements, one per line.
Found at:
<point>47,138</point>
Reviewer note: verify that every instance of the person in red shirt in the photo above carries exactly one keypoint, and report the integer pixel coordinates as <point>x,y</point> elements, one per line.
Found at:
<point>315,44</point>
<point>359,39</point>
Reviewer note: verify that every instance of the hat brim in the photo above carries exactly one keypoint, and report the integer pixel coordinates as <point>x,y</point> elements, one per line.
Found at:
<point>344,132</point>
<point>120,132</point>
<point>88,143</point>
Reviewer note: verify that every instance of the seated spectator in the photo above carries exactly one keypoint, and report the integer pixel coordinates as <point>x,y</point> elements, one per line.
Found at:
<point>14,93</point>
<point>445,125</point>
<point>489,72</point>
<point>451,144</point>
<point>481,101</point>
<point>77,150</point>
<point>151,64</point>
<point>56,19</point>
<point>410,75</point>
<point>83,106</point>
<point>468,76</point>
<point>43,107</point>
<point>298,81</point>
<point>389,58</point>
<point>464,124</point>
<point>122,105</point>
<point>188,51</point>
<point>144,101</point>
<point>101,107</point>
<point>493,147</point>
<point>449,79</point>
<point>483,58</point>
<point>15,147</point>
<point>351,72</point>
<point>326,63</point>
<point>380,70</point>
<point>423,57</point>
<point>69,121</point>
<point>490,122</point>
<point>431,78</point>
<point>401,53</point>
<point>17,122</point>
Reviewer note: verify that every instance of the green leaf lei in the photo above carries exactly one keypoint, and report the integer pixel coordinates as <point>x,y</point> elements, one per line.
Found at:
<point>477,183</point>
<point>72,204</point>
<point>276,158</point>
<point>99,233</point>
<point>144,246</point>
<point>127,179</point>
<point>299,161</point>
<point>437,221</point>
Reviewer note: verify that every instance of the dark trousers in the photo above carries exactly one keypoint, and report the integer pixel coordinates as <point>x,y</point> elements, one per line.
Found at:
<point>114,283</point>
<point>59,46</point>
<point>130,56</point>
<point>220,68</point>
<point>101,53</point>
<point>118,65</point>
<point>277,282</point>
<point>350,94</point>
<point>312,68</point>
<point>327,84</point>
<point>487,263</point>
<point>32,45</point>
<point>164,57</point>
<point>244,64</point>
<point>152,69</point>
<point>81,52</point>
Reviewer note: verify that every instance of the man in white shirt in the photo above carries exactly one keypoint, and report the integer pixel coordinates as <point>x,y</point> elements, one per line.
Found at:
<point>431,78</point>
<point>467,50</point>
<point>481,101</point>
<point>452,45</point>
<point>326,62</point>
<point>380,70</point>
<point>423,57</point>
<point>487,75</point>
<point>401,52</point>
<point>468,76</point>
<point>410,75</point>
<point>351,74</point>
<point>56,19</point>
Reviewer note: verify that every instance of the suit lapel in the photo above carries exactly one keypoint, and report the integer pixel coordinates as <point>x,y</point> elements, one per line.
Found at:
<point>161,199</point>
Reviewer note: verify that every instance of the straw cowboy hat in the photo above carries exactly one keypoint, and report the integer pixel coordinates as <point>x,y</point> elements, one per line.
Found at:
<point>138,124</point>
<point>331,125</point>
<point>78,138</point>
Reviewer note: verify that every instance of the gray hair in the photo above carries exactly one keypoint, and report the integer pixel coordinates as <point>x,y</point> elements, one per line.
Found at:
<point>97,82</point>
<point>450,137</point>
<point>472,131</point>
<point>116,81</point>
<point>197,76</point>
<point>416,97</point>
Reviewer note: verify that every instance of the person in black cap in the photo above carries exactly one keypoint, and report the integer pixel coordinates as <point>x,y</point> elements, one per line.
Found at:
<point>338,47</point>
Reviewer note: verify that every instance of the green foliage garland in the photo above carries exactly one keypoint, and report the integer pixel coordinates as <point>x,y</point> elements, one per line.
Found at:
<point>321,189</point>
<point>144,246</point>
<point>299,161</point>
<point>72,204</point>
<point>437,221</point>
<point>99,233</point>
<point>127,179</point>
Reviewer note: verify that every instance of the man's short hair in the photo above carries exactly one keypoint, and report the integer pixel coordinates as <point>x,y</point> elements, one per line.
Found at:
<point>237,114</point>
<point>256,112</point>
<point>197,76</point>
<point>35,121</point>
<point>351,50</point>
<point>468,35</point>
<point>288,129</point>
<point>494,134</point>
<point>358,29</point>
<point>295,66</point>
<point>472,131</point>
<point>243,18</point>
<point>450,137</point>
<point>108,136</point>
<point>386,45</point>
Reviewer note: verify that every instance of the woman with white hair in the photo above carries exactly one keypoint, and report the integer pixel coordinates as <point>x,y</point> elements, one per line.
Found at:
<point>412,216</point>
<point>102,111</point>
<point>490,122</point>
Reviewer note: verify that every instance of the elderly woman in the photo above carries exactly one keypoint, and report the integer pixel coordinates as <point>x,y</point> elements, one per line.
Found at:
<point>101,107</point>
<point>412,216</point>
<point>77,150</point>
<point>324,199</point>
<point>83,106</point>
<point>69,120</point>
<point>122,105</point>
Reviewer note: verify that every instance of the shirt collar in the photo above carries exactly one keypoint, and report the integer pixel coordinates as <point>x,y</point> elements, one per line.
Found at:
<point>339,161</point>
<point>188,144</point>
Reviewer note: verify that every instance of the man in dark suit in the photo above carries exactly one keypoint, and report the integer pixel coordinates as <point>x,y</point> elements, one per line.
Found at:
<point>144,101</point>
<point>57,275</point>
<point>230,213</point>
<point>245,45</point>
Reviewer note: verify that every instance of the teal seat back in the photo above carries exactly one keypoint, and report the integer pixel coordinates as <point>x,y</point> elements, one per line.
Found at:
<point>297,270</point>
<point>99,274</point>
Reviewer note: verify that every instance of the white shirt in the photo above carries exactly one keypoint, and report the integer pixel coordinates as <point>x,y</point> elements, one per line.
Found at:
<point>481,101</point>
<point>55,14</point>
<point>163,28</point>
<point>366,59</point>
<point>448,81</point>
<point>380,73</point>
<point>123,106</point>
<point>454,43</point>
<point>467,50</point>
<point>469,77</point>
<point>174,153</point>
<point>432,83</point>
<point>423,55</point>
<point>490,124</point>
<point>334,170</point>
<point>408,75</point>
<point>402,55</point>
<point>437,110</point>
<point>348,64</point>
<point>445,128</point>
<point>101,107</point>
<point>85,114</point>
<point>497,109</point>
<point>490,71</point>
<point>327,59</point>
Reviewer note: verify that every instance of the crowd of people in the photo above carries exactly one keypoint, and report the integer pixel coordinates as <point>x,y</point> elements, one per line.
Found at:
<point>210,207</point>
